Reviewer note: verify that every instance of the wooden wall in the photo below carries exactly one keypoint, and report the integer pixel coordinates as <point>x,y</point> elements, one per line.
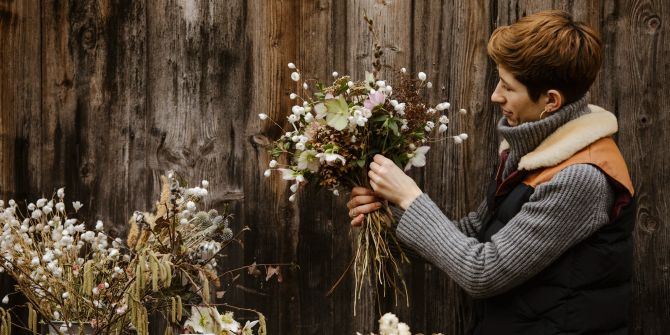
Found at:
<point>103,96</point>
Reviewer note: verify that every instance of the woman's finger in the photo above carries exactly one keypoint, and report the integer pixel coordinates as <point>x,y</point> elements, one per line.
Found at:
<point>358,190</point>
<point>361,200</point>
<point>365,209</point>
<point>374,166</point>
<point>358,220</point>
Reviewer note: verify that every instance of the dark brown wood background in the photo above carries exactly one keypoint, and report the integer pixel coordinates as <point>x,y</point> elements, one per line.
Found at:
<point>103,96</point>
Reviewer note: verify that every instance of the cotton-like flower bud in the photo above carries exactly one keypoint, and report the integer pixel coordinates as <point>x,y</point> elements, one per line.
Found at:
<point>61,192</point>
<point>291,198</point>
<point>294,188</point>
<point>300,146</point>
<point>191,206</point>
<point>429,85</point>
<point>442,106</point>
<point>309,117</point>
<point>300,178</point>
<point>295,76</point>
<point>267,173</point>
<point>204,183</point>
<point>305,86</point>
<point>65,295</point>
<point>457,140</point>
<point>336,192</point>
<point>41,202</point>
<point>463,136</point>
<point>350,84</point>
<point>273,163</point>
<point>335,74</point>
<point>444,119</point>
<point>262,116</point>
<point>380,83</point>
<point>422,76</point>
<point>292,96</point>
<point>5,300</point>
<point>463,111</point>
<point>291,66</point>
<point>183,221</point>
<point>98,225</point>
<point>77,205</point>
<point>31,206</point>
<point>403,70</point>
<point>442,128</point>
<point>293,118</point>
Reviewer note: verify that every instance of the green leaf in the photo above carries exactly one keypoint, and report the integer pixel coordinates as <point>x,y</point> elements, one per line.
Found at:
<point>379,118</point>
<point>360,162</point>
<point>338,113</point>
<point>394,127</point>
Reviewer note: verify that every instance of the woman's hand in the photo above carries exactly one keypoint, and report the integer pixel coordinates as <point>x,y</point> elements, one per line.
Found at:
<point>389,182</point>
<point>361,202</point>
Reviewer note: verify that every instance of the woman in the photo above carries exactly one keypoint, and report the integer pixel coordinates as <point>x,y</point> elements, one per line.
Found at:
<point>550,249</point>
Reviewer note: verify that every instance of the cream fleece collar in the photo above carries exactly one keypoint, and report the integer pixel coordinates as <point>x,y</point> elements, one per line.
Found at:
<point>568,139</point>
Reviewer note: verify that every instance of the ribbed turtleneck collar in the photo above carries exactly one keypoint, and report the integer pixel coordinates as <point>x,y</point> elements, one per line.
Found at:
<point>525,137</point>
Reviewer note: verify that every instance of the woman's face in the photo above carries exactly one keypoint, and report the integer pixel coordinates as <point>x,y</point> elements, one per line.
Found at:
<point>512,96</point>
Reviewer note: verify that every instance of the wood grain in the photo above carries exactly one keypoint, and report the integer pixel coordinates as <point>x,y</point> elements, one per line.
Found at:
<point>104,96</point>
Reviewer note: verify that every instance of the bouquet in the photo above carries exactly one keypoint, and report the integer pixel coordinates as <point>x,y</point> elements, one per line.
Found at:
<point>334,131</point>
<point>69,274</point>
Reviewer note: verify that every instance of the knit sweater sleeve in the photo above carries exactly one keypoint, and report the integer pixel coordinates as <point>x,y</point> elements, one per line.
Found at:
<point>468,225</point>
<point>559,214</point>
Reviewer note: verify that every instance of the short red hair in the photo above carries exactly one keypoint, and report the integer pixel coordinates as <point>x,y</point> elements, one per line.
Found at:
<point>549,50</point>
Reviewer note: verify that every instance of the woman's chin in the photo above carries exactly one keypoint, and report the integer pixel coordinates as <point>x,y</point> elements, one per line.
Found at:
<point>511,122</point>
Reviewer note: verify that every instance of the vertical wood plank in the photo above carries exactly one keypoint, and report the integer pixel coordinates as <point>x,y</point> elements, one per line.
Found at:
<point>639,96</point>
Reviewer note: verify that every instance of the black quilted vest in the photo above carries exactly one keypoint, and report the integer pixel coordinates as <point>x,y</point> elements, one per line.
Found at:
<point>585,291</point>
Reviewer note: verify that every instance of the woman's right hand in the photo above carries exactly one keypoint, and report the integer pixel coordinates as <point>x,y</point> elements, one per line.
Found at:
<point>362,201</point>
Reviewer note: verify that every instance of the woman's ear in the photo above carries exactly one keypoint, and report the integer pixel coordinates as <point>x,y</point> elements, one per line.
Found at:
<point>554,101</point>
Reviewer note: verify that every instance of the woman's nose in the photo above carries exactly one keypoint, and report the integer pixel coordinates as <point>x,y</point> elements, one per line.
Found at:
<point>497,97</point>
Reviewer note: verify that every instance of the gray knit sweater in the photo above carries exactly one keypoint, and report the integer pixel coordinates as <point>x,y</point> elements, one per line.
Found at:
<point>559,214</point>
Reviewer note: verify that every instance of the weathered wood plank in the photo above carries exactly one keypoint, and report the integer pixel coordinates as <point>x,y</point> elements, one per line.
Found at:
<point>639,96</point>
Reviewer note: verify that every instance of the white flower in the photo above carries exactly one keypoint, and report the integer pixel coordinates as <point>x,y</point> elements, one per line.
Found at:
<point>267,173</point>
<point>61,192</point>
<point>291,198</point>
<point>205,183</point>
<point>291,66</point>
<point>292,96</point>
<point>98,225</point>
<point>31,206</point>
<point>287,174</point>
<point>65,295</point>
<point>463,136</point>
<point>444,119</point>
<point>335,74</point>
<point>442,129</point>
<point>309,117</point>
<point>403,329</point>
<point>204,320</point>
<point>330,157</point>
<point>36,214</point>
<point>294,187</point>
<point>77,205</point>
<point>422,76</point>
<point>295,76</point>
<point>417,158</point>
<point>273,163</point>
<point>5,300</point>
<point>458,139</point>
<point>47,210</point>
<point>183,221</point>
<point>297,110</point>
<point>293,118</point>
<point>350,84</point>
<point>429,85</point>
<point>60,207</point>
<point>41,202</point>
<point>300,146</point>
<point>403,70</point>
<point>308,160</point>
<point>321,110</point>
<point>462,111</point>
<point>305,86</point>
<point>262,116</point>
<point>442,106</point>
<point>190,206</point>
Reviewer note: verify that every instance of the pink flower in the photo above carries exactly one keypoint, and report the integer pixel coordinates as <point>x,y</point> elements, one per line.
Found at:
<point>374,100</point>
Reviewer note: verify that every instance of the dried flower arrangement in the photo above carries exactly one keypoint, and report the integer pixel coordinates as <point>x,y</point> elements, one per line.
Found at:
<point>335,131</point>
<point>67,272</point>
<point>73,276</point>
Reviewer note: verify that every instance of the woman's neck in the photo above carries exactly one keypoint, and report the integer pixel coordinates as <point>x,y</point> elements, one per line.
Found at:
<point>525,137</point>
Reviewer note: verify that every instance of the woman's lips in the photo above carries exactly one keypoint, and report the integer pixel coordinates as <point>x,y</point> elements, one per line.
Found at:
<point>506,113</point>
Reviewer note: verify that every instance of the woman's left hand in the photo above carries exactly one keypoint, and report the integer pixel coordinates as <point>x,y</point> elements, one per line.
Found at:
<point>391,183</point>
